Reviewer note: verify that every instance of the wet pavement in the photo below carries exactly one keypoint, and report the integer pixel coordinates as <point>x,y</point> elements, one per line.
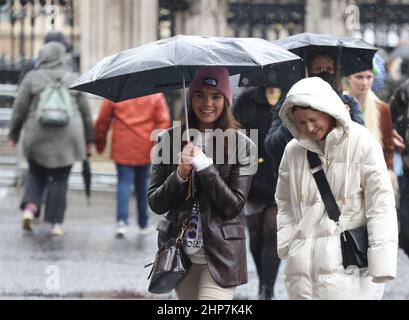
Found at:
<point>88,262</point>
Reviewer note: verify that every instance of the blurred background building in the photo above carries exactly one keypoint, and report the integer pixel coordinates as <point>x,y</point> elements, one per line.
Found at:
<point>97,28</point>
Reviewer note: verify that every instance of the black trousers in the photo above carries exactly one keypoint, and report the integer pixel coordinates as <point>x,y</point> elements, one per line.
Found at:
<point>50,186</point>
<point>404,213</point>
<point>263,245</point>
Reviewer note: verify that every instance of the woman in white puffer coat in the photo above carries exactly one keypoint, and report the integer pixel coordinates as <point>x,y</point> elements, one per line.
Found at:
<point>355,168</point>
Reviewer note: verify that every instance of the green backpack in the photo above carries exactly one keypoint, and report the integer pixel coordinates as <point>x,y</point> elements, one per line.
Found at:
<point>54,106</point>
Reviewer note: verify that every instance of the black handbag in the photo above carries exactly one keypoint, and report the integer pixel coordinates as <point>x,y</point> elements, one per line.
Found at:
<point>354,242</point>
<point>354,247</point>
<point>170,266</point>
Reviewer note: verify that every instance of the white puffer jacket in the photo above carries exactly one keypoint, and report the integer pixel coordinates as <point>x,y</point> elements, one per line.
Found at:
<point>356,171</point>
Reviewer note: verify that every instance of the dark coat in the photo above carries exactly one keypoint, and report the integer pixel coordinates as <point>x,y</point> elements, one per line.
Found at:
<point>222,190</point>
<point>254,112</point>
<point>399,107</point>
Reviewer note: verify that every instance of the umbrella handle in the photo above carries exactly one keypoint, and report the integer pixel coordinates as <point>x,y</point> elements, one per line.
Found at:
<point>185,105</point>
<point>305,65</point>
<point>339,66</point>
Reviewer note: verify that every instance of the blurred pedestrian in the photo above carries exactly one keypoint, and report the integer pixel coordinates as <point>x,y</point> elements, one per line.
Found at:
<point>254,110</point>
<point>69,61</point>
<point>357,175</point>
<point>206,189</point>
<point>379,71</point>
<point>132,123</point>
<point>400,117</point>
<point>377,116</point>
<point>324,65</point>
<point>319,64</point>
<point>33,63</point>
<point>50,150</point>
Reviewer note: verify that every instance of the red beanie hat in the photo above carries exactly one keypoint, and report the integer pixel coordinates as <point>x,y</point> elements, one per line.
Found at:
<point>213,77</point>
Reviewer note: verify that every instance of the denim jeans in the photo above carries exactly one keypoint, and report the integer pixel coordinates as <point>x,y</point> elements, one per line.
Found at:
<point>128,176</point>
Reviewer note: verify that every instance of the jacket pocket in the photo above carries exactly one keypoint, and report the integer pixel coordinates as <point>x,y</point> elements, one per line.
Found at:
<point>233,232</point>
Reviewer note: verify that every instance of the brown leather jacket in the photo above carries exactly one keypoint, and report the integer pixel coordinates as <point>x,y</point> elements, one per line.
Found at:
<point>222,191</point>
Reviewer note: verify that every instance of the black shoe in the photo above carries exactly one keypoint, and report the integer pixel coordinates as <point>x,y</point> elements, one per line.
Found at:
<point>266,292</point>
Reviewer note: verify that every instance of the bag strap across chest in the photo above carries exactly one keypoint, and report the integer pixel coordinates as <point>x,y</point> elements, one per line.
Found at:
<point>323,186</point>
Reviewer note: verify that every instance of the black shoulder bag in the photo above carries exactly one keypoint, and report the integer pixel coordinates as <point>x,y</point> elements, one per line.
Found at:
<point>354,242</point>
<point>170,266</point>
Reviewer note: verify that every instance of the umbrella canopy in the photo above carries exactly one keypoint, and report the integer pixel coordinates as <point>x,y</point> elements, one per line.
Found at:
<point>171,63</point>
<point>353,54</point>
<point>282,76</point>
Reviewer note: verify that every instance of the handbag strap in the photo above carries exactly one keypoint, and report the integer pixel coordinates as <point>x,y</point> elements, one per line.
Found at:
<point>179,242</point>
<point>323,186</point>
<point>179,238</point>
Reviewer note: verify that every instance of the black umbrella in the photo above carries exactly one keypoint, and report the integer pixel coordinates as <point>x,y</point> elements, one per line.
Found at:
<point>86,174</point>
<point>282,76</point>
<point>171,64</point>
<point>352,54</point>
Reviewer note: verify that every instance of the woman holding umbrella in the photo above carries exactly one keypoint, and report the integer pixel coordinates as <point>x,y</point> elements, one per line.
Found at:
<point>206,193</point>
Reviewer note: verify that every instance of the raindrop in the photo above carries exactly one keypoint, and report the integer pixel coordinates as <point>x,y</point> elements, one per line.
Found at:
<point>245,81</point>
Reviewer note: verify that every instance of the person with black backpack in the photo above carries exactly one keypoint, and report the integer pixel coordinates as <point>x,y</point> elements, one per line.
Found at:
<point>57,131</point>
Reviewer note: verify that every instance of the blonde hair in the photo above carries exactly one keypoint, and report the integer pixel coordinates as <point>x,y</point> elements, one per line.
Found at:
<point>370,110</point>
<point>371,115</point>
